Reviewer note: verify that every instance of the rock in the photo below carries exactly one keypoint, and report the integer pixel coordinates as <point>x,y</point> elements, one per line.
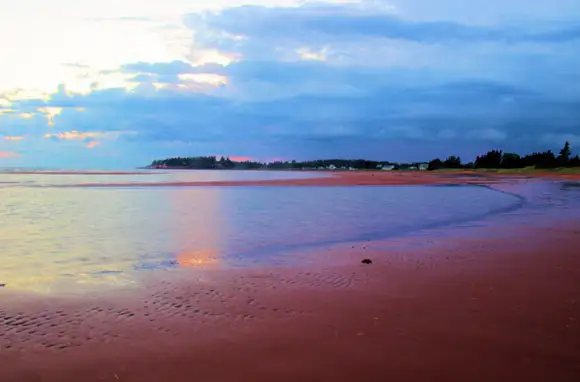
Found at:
<point>2,285</point>
<point>367,261</point>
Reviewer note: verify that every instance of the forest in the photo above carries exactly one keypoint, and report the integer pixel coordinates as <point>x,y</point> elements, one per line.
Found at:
<point>493,159</point>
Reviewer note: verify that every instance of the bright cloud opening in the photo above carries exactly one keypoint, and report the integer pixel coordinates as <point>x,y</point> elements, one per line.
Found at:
<point>212,56</point>
<point>50,113</point>
<point>307,54</point>
<point>205,78</point>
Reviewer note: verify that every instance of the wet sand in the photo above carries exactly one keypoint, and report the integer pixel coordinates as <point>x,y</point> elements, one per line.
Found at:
<point>457,309</point>
<point>329,178</point>
<point>356,178</point>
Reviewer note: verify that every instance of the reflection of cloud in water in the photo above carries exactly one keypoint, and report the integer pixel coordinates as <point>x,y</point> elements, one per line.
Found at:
<point>62,240</point>
<point>71,239</point>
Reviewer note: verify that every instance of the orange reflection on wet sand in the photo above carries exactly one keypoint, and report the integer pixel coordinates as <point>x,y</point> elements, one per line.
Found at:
<point>197,258</point>
<point>199,239</point>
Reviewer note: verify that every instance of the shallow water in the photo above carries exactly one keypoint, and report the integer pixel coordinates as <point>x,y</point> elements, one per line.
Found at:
<point>54,239</point>
<point>38,178</point>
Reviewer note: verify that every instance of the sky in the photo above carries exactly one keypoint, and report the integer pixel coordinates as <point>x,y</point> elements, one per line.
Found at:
<point>118,83</point>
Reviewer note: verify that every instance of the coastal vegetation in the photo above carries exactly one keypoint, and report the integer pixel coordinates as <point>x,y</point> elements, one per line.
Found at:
<point>498,160</point>
<point>212,162</point>
<point>493,160</point>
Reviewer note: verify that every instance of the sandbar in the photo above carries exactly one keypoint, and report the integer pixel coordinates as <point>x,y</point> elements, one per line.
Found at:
<point>354,178</point>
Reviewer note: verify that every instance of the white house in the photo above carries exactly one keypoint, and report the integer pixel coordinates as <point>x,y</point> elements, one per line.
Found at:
<point>388,167</point>
<point>332,167</point>
<point>423,166</point>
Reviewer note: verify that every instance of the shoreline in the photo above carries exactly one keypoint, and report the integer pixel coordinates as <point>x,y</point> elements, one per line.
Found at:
<point>451,308</point>
<point>74,172</point>
<point>341,179</point>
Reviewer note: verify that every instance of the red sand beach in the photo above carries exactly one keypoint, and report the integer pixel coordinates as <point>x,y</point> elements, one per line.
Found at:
<point>326,178</point>
<point>356,178</point>
<point>459,309</point>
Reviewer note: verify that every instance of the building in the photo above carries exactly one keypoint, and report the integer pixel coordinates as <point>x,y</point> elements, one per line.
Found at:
<point>423,166</point>
<point>388,167</point>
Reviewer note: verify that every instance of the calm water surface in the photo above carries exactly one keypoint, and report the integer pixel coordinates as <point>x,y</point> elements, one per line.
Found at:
<point>145,176</point>
<point>53,238</point>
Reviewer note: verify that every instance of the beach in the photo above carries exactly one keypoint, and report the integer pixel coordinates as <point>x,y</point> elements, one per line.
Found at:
<point>498,301</point>
<point>354,178</point>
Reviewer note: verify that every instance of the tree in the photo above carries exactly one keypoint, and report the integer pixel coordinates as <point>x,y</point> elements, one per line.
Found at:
<point>545,159</point>
<point>452,162</point>
<point>435,164</point>
<point>490,160</point>
<point>564,156</point>
<point>574,162</point>
<point>511,160</point>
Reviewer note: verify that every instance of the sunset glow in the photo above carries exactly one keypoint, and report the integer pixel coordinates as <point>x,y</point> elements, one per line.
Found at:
<point>240,158</point>
<point>205,78</point>
<point>13,138</point>
<point>68,135</point>
<point>7,154</point>
<point>93,144</point>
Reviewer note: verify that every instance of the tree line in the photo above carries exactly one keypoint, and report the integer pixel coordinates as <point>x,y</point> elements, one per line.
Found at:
<point>497,159</point>
<point>212,162</point>
<point>494,159</point>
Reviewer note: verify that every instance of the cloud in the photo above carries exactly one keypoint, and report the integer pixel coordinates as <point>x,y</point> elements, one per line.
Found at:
<point>84,136</point>
<point>8,155</point>
<point>485,12</point>
<point>556,139</point>
<point>488,134</point>
<point>73,135</point>
<point>382,79</point>
<point>346,22</point>
<point>93,144</point>
<point>49,112</point>
<point>169,68</point>
<point>13,138</point>
<point>425,112</point>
